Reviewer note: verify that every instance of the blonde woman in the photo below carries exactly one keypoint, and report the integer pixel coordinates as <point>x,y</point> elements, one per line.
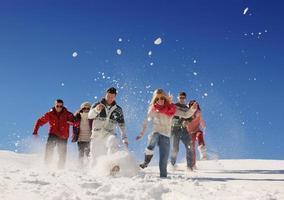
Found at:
<point>160,113</point>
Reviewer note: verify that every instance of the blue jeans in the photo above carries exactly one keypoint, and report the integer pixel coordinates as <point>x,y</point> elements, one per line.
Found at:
<point>180,133</point>
<point>164,150</point>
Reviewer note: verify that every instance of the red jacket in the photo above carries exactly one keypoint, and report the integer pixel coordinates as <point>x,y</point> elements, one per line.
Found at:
<point>59,122</point>
<point>196,123</point>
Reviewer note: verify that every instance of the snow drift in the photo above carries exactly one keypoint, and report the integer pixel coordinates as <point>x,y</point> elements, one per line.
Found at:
<point>23,176</point>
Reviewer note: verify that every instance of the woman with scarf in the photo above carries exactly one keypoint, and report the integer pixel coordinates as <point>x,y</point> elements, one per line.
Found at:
<point>160,113</point>
<point>196,128</point>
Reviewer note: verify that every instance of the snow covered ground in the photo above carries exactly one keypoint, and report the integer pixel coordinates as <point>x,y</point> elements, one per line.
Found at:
<point>23,177</point>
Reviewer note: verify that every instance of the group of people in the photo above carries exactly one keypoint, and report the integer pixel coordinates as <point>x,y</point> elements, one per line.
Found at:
<point>94,129</point>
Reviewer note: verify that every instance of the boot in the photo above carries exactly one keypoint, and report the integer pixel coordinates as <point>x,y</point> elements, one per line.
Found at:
<point>202,152</point>
<point>146,161</point>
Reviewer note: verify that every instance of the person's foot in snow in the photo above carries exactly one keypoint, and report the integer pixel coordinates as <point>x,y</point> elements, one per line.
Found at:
<point>114,170</point>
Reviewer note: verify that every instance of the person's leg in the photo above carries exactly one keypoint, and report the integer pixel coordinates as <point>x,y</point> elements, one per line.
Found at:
<point>201,145</point>
<point>175,144</point>
<point>149,151</point>
<point>112,144</point>
<point>193,140</point>
<point>164,148</point>
<point>87,149</point>
<point>98,148</point>
<point>200,138</point>
<point>187,141</point>
<point>62,151</point>
<point>81,150</point>
<point>49,148</point>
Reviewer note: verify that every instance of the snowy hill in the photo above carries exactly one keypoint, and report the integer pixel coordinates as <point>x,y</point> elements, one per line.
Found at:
<point>24,177</point>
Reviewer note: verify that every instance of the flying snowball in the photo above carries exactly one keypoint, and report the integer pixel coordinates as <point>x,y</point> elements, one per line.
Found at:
<point>75,54</point>
<point>118,51</point>
<point>158,41</point>
<point>245,10</point>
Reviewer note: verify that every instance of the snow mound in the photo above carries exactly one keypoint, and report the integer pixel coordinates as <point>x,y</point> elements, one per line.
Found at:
<point>126,162</point>
<point>24,177</point>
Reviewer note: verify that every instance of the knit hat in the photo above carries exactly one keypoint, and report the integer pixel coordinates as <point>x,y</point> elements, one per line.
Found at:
<point>85,104</point>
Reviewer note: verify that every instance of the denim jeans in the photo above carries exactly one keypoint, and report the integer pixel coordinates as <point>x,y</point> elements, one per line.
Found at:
<point>164,150</point>
<point>181,134</point>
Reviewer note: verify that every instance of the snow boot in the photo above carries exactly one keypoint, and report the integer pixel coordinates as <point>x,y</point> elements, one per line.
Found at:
<point>146,161</point>
<point>202,152</point>
<point>114,170</point>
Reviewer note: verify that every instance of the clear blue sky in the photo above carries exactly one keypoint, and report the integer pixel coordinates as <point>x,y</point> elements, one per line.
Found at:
<point>207,47</point>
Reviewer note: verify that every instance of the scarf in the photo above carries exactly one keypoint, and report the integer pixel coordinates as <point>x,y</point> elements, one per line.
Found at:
<point>167,109</point>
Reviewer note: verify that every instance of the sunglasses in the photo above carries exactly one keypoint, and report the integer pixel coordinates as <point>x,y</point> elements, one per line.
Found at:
<point>86,108</point>
<point>160,98</point>
<point>57,106</point>
<point>182,97</point>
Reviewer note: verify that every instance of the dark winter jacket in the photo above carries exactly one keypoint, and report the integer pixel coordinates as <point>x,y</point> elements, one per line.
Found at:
<point>59,122</point>
<point>178,121</point>
<point>105,121</point>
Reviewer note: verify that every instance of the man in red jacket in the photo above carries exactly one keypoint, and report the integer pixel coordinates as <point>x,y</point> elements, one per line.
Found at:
<point>59,119</point>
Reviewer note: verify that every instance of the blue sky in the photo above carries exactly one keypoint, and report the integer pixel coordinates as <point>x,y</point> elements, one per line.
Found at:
<point>230,62</point>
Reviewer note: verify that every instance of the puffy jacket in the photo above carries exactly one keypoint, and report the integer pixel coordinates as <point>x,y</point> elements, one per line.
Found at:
<point>105,121</point>
<point>59,122</point>
<point>196,124</point>
<point>76,126</point>
<point>162,122</point>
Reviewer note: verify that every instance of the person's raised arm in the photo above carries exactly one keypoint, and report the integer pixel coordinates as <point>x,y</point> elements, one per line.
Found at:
<point>144,126</point>
<point>40,122</point>
<point>95,110</point>
<point>188,113</point>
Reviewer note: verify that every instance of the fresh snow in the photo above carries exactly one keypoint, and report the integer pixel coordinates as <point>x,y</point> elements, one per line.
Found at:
<point>23,176</point>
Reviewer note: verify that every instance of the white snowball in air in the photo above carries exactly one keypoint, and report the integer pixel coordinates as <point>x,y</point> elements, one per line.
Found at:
<point>195,73</point>
<point>245,10</point>
<point>158,41</point>
<point>150,53</point>
<point>62,84</point>
<point>120,39</point>
<point>118,51</point>
<point>75,54</point>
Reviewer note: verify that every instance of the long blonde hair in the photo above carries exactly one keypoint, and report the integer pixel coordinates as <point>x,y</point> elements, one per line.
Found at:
<point>157,94</point>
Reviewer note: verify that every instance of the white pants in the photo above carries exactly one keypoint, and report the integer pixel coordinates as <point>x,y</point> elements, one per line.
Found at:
<point>104,145</point>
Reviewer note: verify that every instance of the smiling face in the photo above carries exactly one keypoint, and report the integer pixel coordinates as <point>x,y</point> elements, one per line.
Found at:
<point>181,99</point>
<point>58,106</point>
<point>161,100</point>
<point>110,98</point>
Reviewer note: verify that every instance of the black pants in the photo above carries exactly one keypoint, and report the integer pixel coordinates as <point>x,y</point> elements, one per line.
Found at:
<point>61,144</point>
<point>84,149</point>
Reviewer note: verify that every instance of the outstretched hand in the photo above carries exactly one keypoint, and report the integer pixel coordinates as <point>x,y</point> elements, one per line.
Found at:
<point>99,107</point>
<point>126,144</point>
